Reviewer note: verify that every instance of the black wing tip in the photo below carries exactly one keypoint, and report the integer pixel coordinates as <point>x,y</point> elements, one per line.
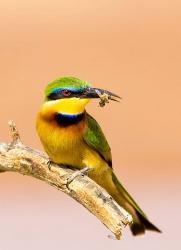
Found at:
<point>151,227</point>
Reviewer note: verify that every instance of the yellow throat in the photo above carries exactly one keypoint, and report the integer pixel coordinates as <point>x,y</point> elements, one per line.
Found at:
<point>67,105</point>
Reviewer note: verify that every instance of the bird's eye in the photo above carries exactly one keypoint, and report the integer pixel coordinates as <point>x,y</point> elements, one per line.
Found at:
<point>66,92</point>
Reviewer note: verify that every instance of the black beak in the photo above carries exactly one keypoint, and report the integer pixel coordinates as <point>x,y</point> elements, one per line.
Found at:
<point>97,93</point>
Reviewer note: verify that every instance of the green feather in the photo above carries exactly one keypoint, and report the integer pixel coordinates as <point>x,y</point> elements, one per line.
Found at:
<point>95,138</point>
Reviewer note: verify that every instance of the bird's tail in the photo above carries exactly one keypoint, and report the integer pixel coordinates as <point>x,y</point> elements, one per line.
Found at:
<point>140,220</point>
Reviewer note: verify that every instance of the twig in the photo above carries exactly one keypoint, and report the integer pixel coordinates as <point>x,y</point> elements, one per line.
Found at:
<point>14,134</point>
<point>19,158</point>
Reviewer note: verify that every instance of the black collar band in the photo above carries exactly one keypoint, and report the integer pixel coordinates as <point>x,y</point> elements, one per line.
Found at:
<point>65,120</point>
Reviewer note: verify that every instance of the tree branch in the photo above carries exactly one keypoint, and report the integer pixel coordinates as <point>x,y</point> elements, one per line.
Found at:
<point>19,158</point>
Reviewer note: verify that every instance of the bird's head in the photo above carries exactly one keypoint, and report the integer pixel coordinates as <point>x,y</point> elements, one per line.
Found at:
<point>70,95</point>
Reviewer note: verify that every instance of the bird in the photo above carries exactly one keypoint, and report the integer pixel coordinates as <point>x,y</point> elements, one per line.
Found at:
<point>72,137</point>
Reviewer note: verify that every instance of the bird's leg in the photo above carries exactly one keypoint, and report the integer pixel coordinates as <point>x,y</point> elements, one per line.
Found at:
<point>78,173</point>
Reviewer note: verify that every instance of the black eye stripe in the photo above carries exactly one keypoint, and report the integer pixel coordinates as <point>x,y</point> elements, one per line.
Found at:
<point>54,96</point>
<point>59,95</point>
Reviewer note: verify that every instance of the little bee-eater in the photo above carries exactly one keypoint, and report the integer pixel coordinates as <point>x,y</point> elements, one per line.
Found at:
<point>71,137</point>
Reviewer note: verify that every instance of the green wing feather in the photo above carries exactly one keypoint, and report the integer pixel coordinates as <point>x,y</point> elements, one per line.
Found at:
<point>96,139</point>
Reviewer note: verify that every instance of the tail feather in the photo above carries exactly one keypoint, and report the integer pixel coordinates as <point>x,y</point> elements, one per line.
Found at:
<point>147,224</point>
<point>140,221</point>
<point>137,228</point>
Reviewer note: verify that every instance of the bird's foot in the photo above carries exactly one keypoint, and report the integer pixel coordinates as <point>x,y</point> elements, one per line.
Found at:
<point>78,173</point>
<point>49,162</point>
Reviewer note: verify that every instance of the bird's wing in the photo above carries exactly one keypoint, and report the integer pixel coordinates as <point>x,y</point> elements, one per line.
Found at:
<point>95,138</point>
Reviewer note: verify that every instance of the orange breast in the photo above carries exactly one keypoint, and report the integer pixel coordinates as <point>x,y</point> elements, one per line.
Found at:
<point>64,145</point>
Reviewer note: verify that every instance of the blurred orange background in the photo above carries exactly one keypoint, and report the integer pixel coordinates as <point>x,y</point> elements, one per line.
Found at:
<point>130,47</point>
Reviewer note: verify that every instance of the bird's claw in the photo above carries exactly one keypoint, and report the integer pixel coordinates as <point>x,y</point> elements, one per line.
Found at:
<point>76,174</point>
<point>49,162</point>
